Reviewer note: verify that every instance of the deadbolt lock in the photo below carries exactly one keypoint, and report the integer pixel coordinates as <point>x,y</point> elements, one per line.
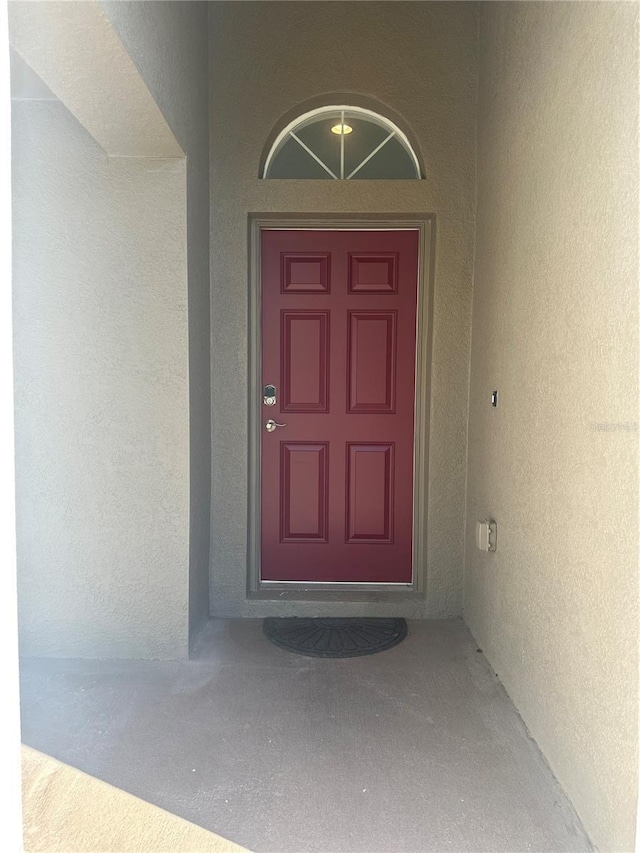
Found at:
<point>269,395</point>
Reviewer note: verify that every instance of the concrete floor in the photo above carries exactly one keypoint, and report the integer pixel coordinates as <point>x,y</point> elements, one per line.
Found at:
<point>414,749</point>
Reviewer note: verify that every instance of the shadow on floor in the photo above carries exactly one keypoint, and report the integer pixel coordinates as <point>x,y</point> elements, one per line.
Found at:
<point>414,749</point>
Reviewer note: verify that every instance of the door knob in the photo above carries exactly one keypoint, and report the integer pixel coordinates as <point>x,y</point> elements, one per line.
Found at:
<point>271,425</point>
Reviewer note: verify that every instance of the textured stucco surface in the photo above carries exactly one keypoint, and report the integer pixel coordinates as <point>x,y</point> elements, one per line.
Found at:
<point>74,48</point>
<point>100,324</point>
<point>418,60</point>
<point>555,330</point>
<point>168,41</point>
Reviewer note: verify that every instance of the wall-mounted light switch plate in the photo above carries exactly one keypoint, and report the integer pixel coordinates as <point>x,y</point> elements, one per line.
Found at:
<point>486,535</point>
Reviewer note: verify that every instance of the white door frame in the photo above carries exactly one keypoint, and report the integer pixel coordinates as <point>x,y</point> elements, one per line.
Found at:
<point>425,226</point>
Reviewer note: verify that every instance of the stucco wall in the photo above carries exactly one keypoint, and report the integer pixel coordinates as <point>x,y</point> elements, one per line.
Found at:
<point>168,41</point>
<point>419,61</point>
<point>101,387</point>
<point>555,331</point>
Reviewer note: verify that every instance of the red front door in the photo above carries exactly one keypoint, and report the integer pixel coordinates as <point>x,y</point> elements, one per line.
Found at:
<point>338,344</point>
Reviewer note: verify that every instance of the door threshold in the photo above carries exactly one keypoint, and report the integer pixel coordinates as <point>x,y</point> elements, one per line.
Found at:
<point>338,584</point>
<point>385,593</point>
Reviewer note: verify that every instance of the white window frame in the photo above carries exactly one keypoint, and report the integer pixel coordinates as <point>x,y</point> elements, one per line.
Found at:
<point>393,132</point>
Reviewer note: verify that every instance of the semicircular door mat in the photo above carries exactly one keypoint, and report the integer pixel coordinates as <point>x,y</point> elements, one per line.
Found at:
<point>335,638</point>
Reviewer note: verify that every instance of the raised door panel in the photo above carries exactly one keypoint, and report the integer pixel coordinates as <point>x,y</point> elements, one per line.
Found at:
<point>373,273</point>
<point>304,492</point>
<point>371,369</point>
<point>305,361</point>
<point>303,272</point>
<point>370,480</point>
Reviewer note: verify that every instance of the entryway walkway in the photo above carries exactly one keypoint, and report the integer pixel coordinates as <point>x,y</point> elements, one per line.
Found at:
<point>414,749</point>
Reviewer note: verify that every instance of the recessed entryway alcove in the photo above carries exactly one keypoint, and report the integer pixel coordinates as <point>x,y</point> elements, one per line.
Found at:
<point>137,395</point>
<point>246,194</point>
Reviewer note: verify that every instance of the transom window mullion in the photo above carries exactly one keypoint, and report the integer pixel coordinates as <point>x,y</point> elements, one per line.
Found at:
<point>342,134</point>
<point>369,156</point>
<point>315,156</point>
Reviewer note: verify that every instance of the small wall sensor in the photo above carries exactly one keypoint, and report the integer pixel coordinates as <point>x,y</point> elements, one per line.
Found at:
<point>486,535</point>
<point>494,399</point>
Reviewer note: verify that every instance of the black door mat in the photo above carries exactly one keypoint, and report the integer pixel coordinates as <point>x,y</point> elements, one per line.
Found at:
<point>335,638</point>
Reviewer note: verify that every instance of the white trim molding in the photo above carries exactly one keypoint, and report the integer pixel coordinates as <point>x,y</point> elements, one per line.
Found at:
<point>390,593</point>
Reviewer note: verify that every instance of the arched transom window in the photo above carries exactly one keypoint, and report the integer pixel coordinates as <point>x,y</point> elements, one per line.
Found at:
<point>342,143</point>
